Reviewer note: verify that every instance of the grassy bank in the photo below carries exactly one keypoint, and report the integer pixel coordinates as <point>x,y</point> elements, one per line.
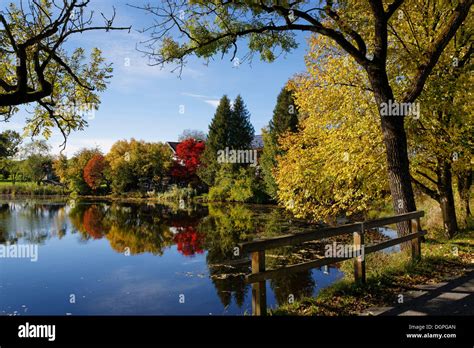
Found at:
<point>31,189</point>
<point>174,195</point>
<point>389,275</point>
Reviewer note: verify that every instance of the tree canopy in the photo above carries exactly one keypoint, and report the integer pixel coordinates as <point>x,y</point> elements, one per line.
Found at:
<point>362,29</point>
<point>229,129</point>
<point>285,119</point>
<point>9,143</point>
<point>35,66</point>
<point>334,163</point>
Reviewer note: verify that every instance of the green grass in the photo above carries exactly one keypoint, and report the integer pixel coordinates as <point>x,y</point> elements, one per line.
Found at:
<point>30,189</point>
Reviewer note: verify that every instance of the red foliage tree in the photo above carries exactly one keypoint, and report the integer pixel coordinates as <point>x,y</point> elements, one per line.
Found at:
<point>94,171</point>
<point>188,154</point>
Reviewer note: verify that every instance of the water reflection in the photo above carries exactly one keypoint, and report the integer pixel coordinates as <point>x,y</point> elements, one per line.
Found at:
<point>207,234</point>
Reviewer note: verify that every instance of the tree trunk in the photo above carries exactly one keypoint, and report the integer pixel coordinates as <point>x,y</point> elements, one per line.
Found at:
<point>395,140</point>
<point>465,179</point>
<point>447,199</point>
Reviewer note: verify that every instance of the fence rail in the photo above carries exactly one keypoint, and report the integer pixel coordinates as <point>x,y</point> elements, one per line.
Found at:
<point>257,250</point>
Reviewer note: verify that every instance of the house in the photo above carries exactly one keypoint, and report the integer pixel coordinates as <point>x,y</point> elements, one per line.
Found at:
<point>257,144</point>
<point>173,146</point>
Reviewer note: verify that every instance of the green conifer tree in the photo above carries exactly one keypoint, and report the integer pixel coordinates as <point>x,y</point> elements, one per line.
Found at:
<point>218,139</point>
<point>242,132</point>
<point>285,119</point>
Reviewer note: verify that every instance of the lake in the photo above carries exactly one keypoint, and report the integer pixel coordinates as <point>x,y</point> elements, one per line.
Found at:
<point>102,258</point>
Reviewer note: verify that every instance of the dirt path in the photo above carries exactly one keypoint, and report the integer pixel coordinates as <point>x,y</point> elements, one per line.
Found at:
<point>455,297</point>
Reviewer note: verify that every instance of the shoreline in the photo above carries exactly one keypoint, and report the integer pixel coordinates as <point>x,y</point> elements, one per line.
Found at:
<point>124,199</point>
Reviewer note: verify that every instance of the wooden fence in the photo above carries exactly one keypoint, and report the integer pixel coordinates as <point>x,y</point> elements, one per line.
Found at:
<point>257,250</point>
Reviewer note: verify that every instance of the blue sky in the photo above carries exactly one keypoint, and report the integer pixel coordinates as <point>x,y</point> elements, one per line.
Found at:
<point>144,102</point>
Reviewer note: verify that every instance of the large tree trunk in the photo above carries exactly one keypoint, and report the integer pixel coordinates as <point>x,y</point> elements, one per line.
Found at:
<point>395,140</point>
<point>398,168</point>
<point>446,200</point>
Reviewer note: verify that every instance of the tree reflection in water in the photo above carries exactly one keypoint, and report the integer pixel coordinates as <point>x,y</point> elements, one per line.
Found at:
<point>189,241</point>
<point>218,229</point>
<point>34,223</point>
<point>213,231</point>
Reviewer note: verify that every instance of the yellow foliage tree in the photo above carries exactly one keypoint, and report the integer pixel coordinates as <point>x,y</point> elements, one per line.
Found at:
<point>335,163</point>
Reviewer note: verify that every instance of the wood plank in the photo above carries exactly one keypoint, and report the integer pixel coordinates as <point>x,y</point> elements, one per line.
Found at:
<point>293,239</point>
<point>393,219</point>
<point>259,290</point>
<point>257,277</point>
<point>383,245</point>
<point>359,261</point>
<point>416,242</point>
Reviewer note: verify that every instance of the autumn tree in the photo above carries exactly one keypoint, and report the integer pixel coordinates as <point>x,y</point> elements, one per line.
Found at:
<point>188,158</point>
<point>95,172</point>
<point>442,137</point>
<point>285,119</point>
<point>333,164</point>
<point>440,133</point>
<point>138,165</point>
<point>440,129</point>
<point>60,167</point>
<point>75,170</point>
<point>36,67</point>
<point>361,29</point>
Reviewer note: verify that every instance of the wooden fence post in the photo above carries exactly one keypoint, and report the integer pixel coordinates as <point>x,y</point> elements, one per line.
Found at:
<point>359,261</point>
<point>259,291</point>
<point>416,242</point>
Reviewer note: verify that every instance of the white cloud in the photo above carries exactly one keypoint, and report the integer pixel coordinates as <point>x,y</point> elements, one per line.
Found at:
<point>213,102</point>
<point>195,95</point>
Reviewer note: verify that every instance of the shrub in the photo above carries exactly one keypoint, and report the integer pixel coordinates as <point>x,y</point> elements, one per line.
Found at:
<point>175,194</point>
<point>237,186</point>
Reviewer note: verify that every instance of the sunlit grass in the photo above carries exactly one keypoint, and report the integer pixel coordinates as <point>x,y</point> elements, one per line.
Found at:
<point>388,275</point>
<point>30,189</point>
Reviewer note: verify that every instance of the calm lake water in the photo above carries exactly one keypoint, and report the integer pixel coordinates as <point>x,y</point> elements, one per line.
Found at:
<point>97,258</point>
